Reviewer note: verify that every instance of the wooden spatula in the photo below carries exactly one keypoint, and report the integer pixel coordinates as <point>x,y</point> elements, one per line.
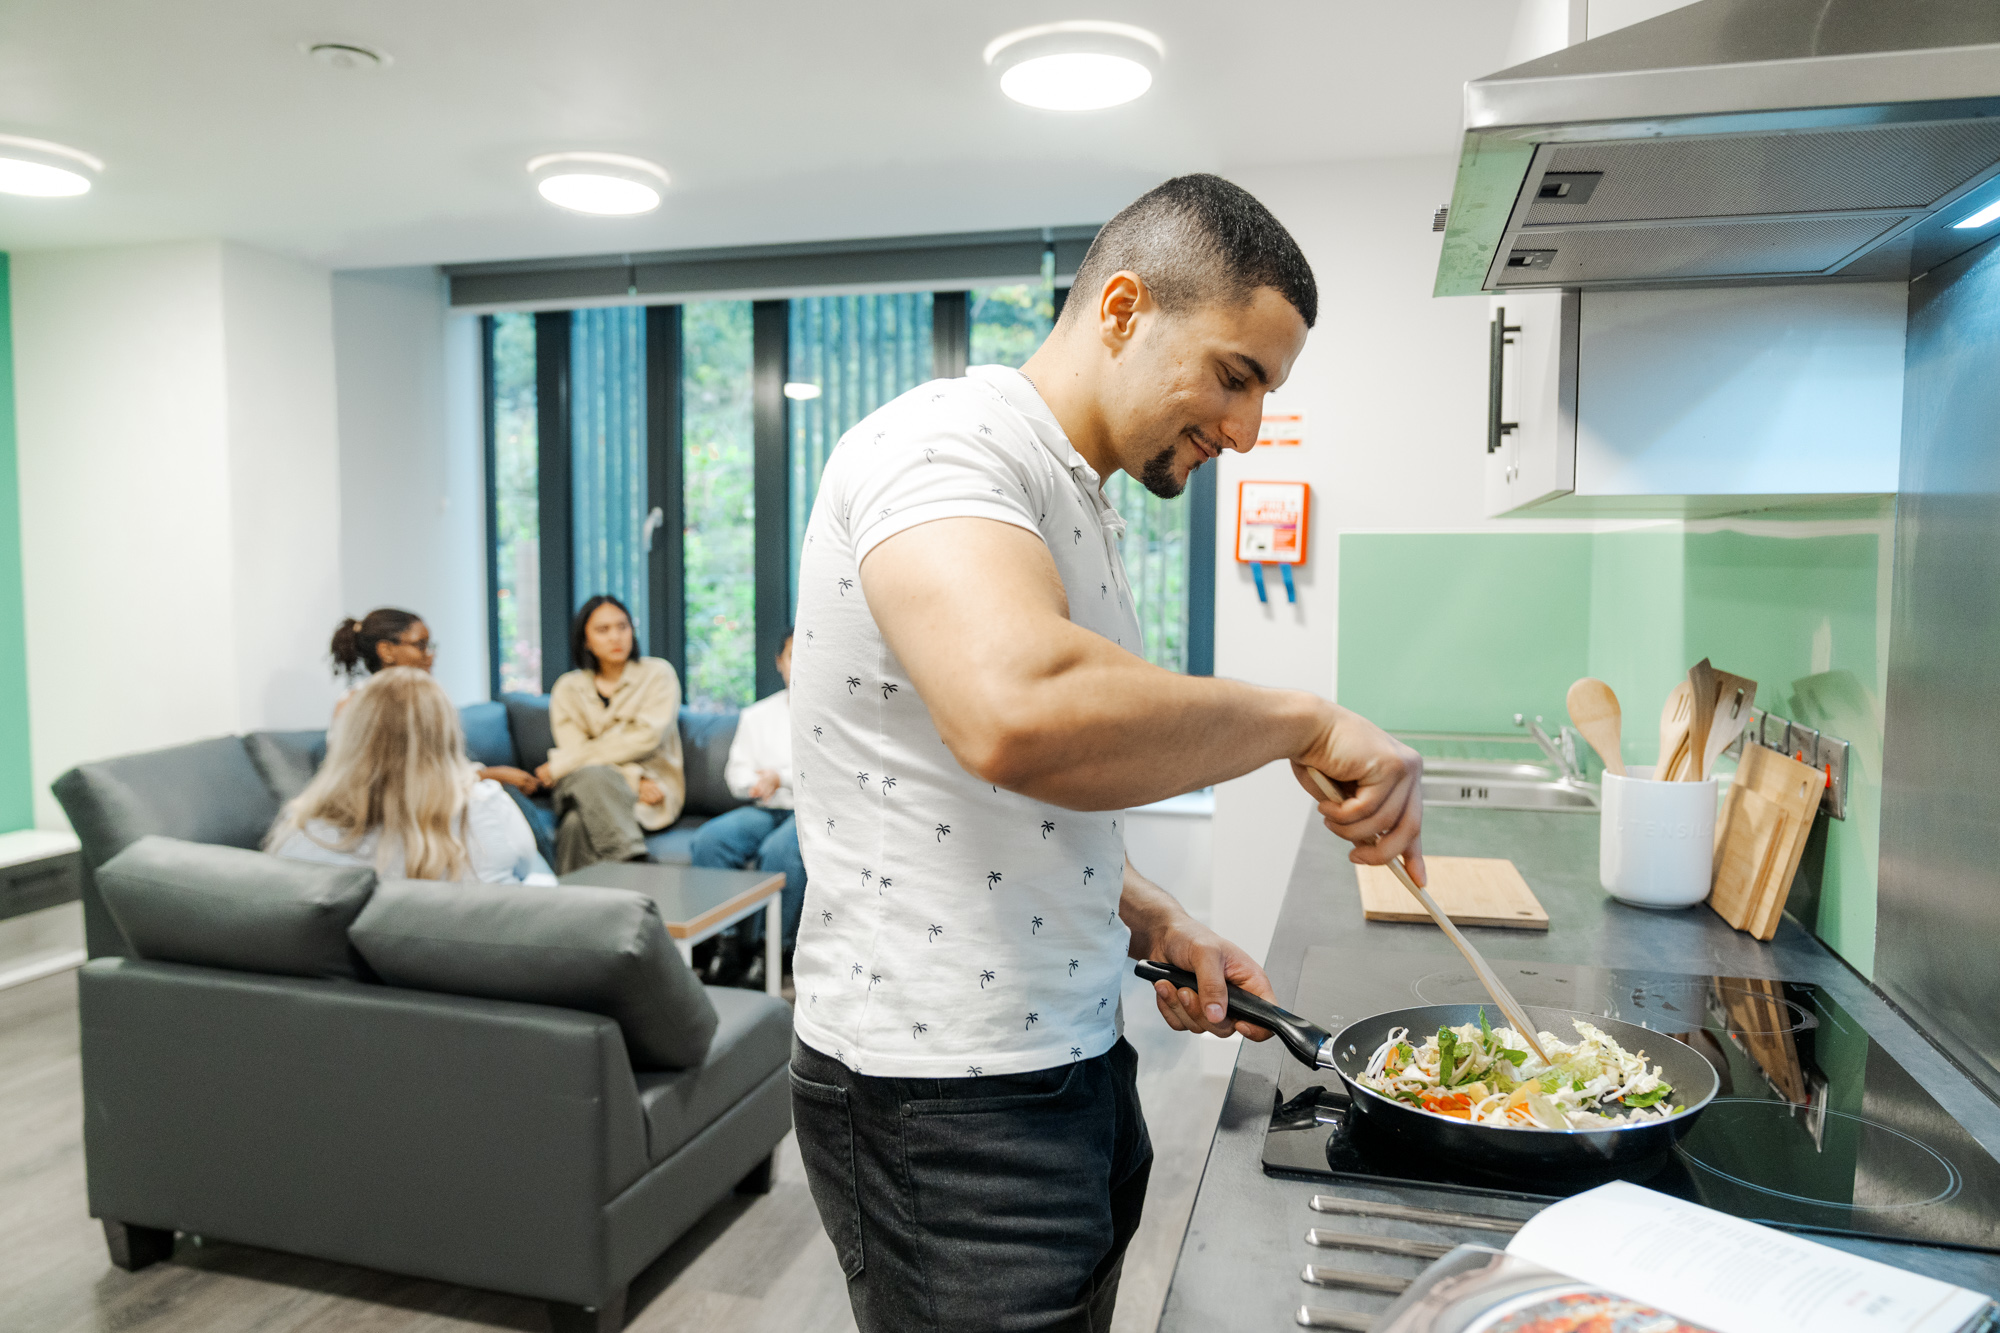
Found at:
<point>1734,697</point>
<point>1510,1008</point>
<point>1701,713</point>
<point>1673,730</point>
<point>1594,710</point>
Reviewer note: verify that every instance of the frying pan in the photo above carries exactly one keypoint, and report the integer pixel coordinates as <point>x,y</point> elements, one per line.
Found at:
<point>1492,1150</point>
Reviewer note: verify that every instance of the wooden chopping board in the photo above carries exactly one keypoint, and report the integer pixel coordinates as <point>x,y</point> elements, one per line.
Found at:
<point>1472,890</point>
<point>1760,837</point>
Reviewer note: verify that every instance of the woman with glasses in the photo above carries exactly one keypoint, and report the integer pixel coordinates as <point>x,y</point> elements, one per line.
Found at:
<point>385,638</point>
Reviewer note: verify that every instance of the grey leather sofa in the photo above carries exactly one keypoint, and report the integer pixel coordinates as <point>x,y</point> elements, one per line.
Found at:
<point>406,1076</point>
<point>229,789</point>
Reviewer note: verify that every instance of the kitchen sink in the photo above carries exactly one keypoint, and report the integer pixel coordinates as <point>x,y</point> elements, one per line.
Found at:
<point>1504,785</point>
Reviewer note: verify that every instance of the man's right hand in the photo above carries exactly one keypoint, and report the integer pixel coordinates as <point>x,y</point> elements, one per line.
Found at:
<point>1379,793</point>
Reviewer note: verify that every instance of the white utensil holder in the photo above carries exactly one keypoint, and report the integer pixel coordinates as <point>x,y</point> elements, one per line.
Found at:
<point>1656,846</point>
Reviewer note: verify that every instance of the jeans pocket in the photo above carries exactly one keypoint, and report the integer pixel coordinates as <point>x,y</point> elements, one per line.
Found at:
<point>825,1126</point>
<point>1044,1088</point>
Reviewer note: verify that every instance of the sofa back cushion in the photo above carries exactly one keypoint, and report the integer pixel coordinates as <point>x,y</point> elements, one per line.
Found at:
<point>286,759</point>
<point>705,739</point>
<point>207,791</point>
<point>528,721</point>
<point>603,951</point>
<point>183,902</point>
<point>488,742</point>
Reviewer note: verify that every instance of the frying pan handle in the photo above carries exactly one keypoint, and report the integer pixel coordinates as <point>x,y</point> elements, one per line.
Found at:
<point>1301,1038</point>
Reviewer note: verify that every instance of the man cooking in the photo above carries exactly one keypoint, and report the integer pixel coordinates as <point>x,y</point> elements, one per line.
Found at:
<point>971,718</point>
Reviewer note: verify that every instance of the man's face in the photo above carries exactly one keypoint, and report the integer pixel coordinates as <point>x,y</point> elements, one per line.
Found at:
<point>1185,387</point>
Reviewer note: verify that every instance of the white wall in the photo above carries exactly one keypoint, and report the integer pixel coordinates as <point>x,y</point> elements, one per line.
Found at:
<point>179,522</point>
<point>412,462</point>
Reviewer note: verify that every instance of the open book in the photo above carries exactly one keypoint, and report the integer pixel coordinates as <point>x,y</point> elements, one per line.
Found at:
<point>1625,1259</point>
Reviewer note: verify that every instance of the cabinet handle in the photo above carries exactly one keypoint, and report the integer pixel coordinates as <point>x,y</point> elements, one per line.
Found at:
<point>1497,344</point>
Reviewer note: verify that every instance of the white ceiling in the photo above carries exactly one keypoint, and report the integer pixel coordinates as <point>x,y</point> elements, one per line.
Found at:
<point>780,120</point>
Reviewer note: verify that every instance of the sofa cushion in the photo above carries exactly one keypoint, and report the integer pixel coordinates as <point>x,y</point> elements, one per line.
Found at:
<point>753,1038</point>
<point>286,759</point>
<point>528,721</point>
<point>488,741</point>
<point>603,951</point>
<point>673,846</point>
<point>206,791</point>
<point>705,739</point>
<point>183,902</point>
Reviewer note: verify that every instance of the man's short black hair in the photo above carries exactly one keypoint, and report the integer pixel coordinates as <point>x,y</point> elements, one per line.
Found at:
<point>1196,239</point>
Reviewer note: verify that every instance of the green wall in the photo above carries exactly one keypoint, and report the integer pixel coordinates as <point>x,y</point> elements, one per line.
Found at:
<point>1459,632</point>
<point>17,802</point>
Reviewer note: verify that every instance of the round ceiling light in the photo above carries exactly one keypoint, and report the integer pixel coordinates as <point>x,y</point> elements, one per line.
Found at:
<point>44,170</point>
<point>1075,65</point>
<point>602,184</point>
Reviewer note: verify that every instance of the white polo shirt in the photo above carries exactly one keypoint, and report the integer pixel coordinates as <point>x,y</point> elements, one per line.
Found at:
<point>950,928</point>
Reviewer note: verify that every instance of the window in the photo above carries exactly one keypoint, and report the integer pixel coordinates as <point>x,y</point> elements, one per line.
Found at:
<point>514,557</point>
<point>653,453</point>
<point>718,544</point>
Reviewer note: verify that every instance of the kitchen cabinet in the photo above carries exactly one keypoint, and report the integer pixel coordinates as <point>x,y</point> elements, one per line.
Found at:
<point>1693,403</point>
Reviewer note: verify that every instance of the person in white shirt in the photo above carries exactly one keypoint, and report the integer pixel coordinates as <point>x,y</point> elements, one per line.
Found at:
<point>971,717</point>
<point>397,792</point>
<point>759,770</point>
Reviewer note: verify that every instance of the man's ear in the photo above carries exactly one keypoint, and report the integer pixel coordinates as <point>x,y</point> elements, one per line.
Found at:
<point>1123,299</point>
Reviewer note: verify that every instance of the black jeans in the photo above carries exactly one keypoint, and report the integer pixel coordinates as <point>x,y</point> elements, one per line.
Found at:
<point>968,1204</point>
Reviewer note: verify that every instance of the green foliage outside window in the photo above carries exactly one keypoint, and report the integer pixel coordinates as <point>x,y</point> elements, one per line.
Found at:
<point>719,543</point>
<point>517,513</point>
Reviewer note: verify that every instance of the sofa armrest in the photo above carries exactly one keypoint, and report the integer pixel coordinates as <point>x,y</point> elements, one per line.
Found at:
<point>472,1141</point>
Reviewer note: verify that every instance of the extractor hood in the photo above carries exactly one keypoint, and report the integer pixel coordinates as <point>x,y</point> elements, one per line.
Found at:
<point>1734,141</point>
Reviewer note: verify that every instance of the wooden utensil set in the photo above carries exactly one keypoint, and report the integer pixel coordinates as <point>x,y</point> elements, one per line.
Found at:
<point>1761,832</point>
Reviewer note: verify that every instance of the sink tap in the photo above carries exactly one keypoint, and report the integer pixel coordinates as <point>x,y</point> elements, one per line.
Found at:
<point>1562,756</point>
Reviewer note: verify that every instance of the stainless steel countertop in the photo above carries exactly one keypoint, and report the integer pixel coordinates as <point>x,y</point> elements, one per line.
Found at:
<point>1245,1245</point>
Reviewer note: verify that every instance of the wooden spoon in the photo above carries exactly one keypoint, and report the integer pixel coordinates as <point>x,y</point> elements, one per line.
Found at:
<point>1673,730</point>
<point>1510,1008</point>
<point>1734,698</point>
<point>1701,697</point>
<point>1594,710</point>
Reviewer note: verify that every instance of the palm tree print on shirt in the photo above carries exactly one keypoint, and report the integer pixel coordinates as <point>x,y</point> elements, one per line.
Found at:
<point>1102,1000</point>
<point>819,734</point>
<point>985,429</point>
<point>866,875</point>
<point>860,780</point>
<point>845,584</point>
<point>984,977</point>
<point>857,969</point>
<point>992,877</point>
<point>1076,535</point>
<point>889,687</point>
<point>1076,1052</point>
<point>1073,965</point>
<point>1032,1020</point>
<point>918,1030</point>
<point>934,932</point>
<point>1048,827</point>
<point>973,1070</point>
<point>825,917</point>
<point>853,684</point>
<point>887,782</point>
<point>1088,871</point>
<point>874,980</point>
<point>942,829</point>
<point>883,883</point>
<point>1036,927</point>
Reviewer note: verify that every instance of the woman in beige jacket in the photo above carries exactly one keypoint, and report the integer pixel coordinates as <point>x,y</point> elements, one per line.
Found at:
<point>616,766</point>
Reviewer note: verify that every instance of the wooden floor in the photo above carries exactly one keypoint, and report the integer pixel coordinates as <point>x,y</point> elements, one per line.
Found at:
<point>753,1265</point>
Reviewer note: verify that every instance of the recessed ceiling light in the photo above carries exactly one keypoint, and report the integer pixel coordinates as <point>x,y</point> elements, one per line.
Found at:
<point>346,55</point>
<point>1075,65</point>
<point>801,392</point>
<point>44,170</point>
<point>1979,219</point>
<point>604,184</point>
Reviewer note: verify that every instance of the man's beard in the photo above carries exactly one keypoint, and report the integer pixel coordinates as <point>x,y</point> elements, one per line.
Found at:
<point>1158,474</point>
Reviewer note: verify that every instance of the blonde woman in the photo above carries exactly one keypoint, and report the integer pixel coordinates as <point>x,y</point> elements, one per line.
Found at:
<point>616,766</point>
<point>397,793</point>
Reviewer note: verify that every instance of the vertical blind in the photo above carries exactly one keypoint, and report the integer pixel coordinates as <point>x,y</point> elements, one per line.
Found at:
<point>608,458</point>
<point>859,351</point>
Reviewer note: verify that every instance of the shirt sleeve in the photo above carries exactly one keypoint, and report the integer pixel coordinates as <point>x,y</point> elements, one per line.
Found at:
<point>941,460</point>
<point>498,841</point>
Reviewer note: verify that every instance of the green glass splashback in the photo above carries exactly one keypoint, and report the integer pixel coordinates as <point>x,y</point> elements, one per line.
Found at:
<point>1461,631</point>
<point>17,803</point>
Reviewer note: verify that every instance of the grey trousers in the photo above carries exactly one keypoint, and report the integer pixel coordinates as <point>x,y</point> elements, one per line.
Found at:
<point>594,820</point>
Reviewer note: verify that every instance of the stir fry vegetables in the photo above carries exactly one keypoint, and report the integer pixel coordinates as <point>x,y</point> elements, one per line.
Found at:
<point>1483,1074</point>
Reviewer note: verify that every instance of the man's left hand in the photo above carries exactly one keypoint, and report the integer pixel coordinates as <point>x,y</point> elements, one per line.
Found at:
<point>1217,965</point>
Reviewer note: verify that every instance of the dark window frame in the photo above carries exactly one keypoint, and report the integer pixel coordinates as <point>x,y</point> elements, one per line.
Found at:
<point>666,477</point>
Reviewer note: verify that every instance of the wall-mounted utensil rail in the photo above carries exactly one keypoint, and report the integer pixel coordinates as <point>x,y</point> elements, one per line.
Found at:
<point>1826,753</point>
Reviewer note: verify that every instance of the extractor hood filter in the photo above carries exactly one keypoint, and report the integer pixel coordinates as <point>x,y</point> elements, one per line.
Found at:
<point>1713,169</point>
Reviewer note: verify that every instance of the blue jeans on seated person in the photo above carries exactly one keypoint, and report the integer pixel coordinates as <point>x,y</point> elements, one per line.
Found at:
<point>767,839</point>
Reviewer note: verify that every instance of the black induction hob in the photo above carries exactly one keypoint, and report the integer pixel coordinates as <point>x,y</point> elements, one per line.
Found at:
<point>1815,1127</point>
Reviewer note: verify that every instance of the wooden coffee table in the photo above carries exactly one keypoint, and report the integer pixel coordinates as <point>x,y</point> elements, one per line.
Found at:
<point>697,903</point>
